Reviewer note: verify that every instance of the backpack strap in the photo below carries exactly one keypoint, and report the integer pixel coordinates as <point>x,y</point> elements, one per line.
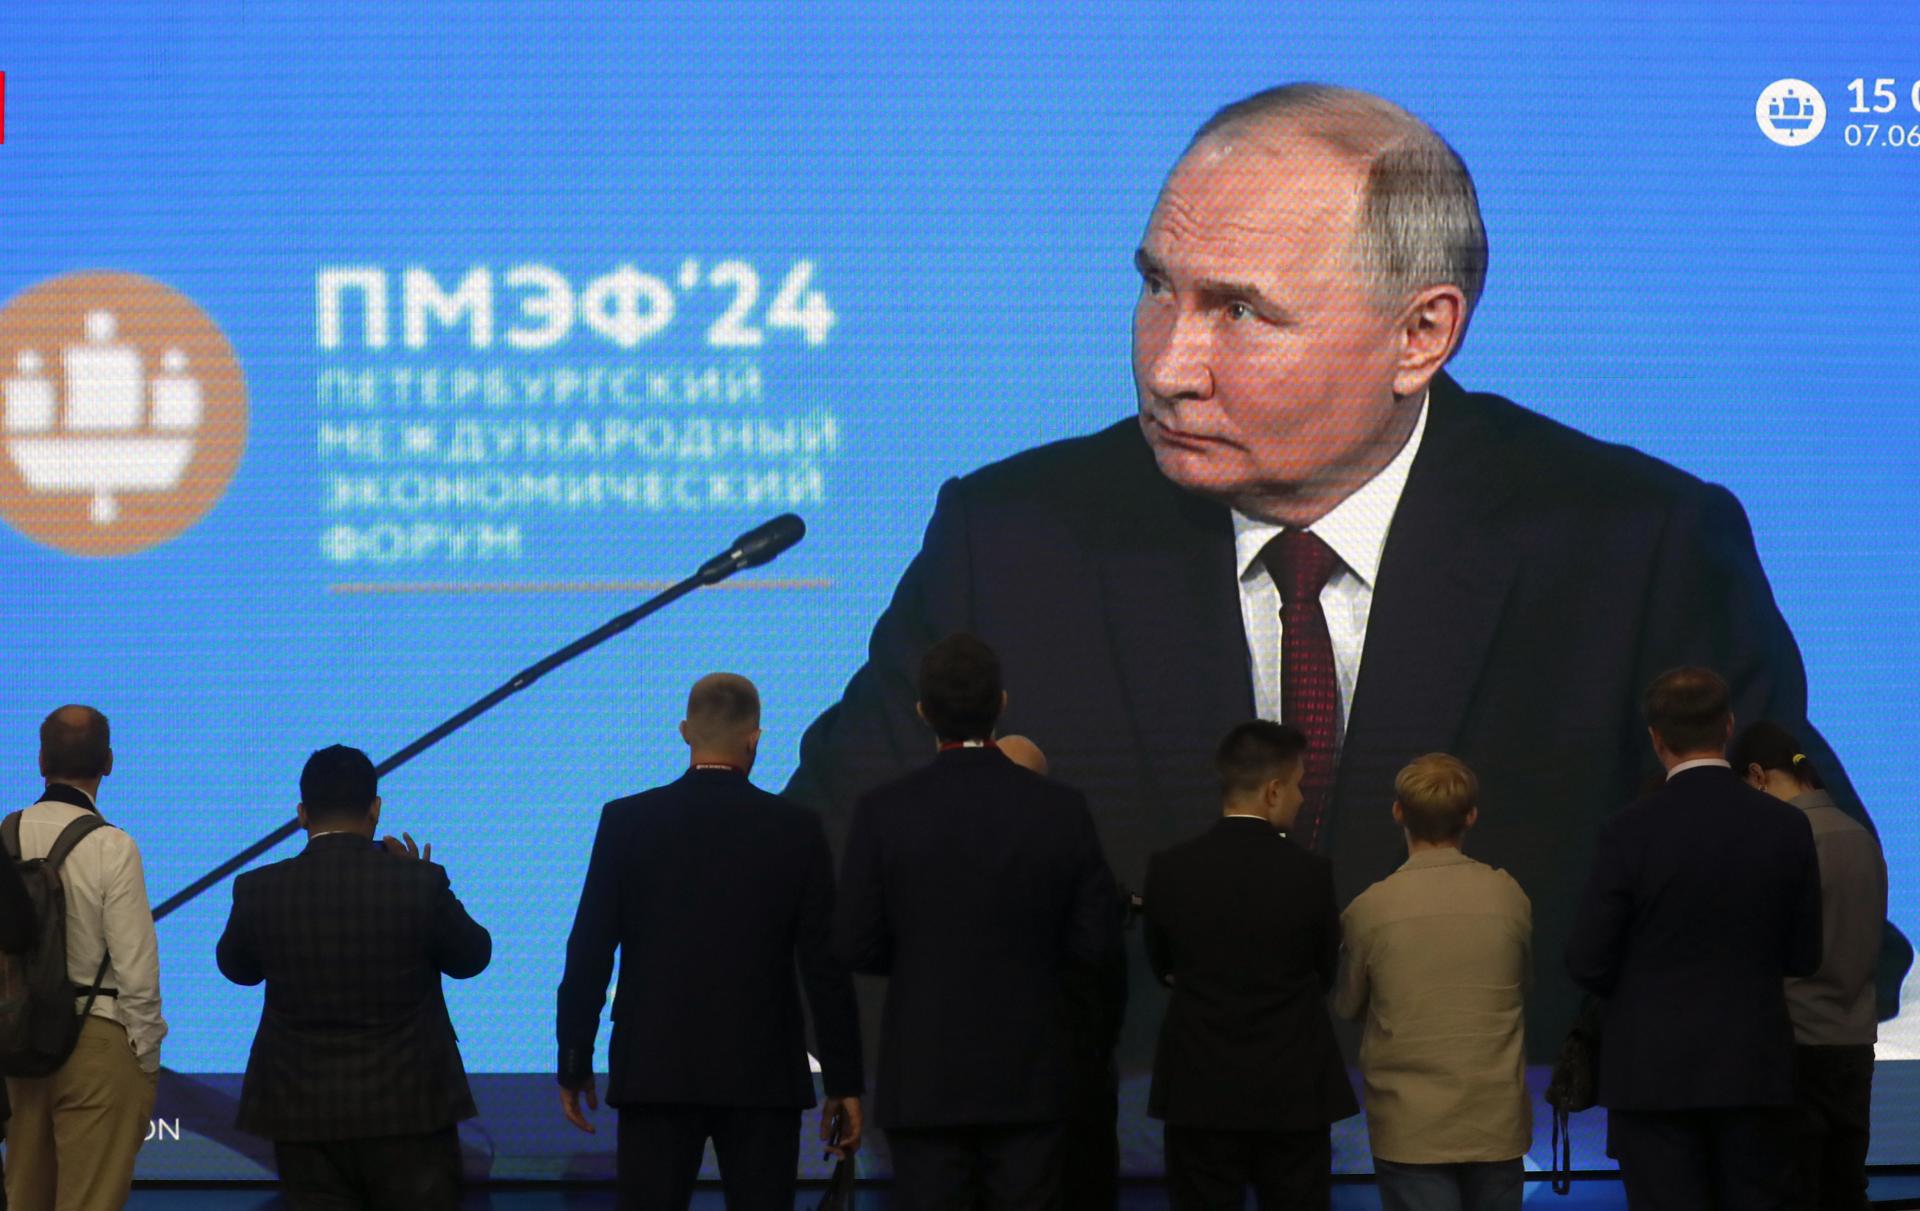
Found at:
<point>71,836</point>
<point>10,835</point>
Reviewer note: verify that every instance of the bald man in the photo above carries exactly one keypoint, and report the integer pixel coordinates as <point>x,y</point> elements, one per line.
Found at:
<point>710,889</point>
<point>74,1133</point>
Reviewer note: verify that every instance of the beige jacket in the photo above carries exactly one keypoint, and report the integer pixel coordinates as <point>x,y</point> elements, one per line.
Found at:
<point>1436,959</point>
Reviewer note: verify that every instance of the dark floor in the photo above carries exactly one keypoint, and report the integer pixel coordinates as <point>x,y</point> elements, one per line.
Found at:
<point>1897,1190</point>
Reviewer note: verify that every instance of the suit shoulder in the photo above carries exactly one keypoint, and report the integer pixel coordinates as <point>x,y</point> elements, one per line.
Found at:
<point>1550,460</point>
<point>1088,469</point>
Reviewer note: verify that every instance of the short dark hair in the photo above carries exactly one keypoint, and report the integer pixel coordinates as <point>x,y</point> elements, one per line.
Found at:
<point>338,783</point>
<point>1772,747</point>
<point>960,687</point>
<point>1689,708</point>
<point>1256,752</point>
<point>721,709</point>
<point>75,742</point>
<point>1435,793</point>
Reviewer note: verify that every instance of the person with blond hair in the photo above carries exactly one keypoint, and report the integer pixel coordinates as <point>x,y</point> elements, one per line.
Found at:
<point>1435,961</point>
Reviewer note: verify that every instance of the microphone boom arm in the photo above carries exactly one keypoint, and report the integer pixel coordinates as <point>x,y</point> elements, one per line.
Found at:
<point>787,530</point>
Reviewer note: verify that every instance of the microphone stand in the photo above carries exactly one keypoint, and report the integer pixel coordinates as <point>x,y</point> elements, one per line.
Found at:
<point>712,572</point>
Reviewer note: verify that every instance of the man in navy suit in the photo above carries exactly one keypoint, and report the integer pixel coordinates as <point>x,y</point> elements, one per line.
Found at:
<point>973,885</point>
<point>1309,521</point>
<point>1241,925</point>
<point>1704,897</point>
<point>713,892</point>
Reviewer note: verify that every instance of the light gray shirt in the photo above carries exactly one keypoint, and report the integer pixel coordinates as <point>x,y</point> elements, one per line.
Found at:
<point>1835,1005</point>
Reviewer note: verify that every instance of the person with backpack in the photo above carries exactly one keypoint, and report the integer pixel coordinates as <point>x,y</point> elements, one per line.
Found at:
<point>16,934</point>
<point>82,1073</point>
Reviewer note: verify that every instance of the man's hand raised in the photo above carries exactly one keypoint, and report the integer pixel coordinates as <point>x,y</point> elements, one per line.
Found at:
<point>407,848</point>
<point>570,1100</point>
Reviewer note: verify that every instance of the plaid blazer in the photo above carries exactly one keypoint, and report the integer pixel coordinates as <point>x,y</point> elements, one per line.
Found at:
<point>354,1038</point>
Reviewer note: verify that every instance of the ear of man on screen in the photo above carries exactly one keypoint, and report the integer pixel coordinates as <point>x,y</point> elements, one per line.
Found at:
<point>1023,753</point>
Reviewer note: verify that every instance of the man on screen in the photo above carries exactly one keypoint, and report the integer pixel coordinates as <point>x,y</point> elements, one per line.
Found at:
<point>1310,521</point>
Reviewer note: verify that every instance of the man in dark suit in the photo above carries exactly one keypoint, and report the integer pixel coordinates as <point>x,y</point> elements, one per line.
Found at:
<point>1242,926</point>
<point>16,935</point>
<point>710,889</point>
<point>354,1075</point>
<point>1310,522</point>
<point>1704,897</point>
<point>973,885</point>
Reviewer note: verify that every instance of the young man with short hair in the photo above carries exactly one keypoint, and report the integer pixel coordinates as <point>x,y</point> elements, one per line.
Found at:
<point>1436,962</point>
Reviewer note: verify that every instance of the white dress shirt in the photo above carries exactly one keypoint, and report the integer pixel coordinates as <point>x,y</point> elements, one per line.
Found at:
<point>1356,529</point>
<point>1698,763</point>
<point>106,909</point>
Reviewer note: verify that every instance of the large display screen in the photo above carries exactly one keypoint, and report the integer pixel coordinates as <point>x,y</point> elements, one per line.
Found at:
<point>355,359</point>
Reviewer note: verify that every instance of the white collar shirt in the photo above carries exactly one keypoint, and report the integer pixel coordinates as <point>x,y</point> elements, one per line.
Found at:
<point>1698,763</point>
<point>1356,529</point>
<point>107,912</point>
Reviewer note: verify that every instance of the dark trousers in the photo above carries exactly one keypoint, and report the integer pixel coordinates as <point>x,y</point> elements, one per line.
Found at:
<point>1016,1167</point>
<point>1833,1087</point>
<point>1210,1170</point>
<point>1463,1186</point>
<point>1704,1160</point>
<point>661,1146</point>
<point>1090,1163</point>
<point>381,1173</point>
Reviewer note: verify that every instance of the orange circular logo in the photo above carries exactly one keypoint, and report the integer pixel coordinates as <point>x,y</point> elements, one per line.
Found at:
<point>124,413</point>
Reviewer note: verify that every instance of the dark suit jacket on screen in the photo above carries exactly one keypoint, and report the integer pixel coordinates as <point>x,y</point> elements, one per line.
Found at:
<point>711,889</point>
<point>972,884</point>
<point>1243,922</point>
<point>1533,582</point>
<point>354,1038</point>
<point>1705,896</point>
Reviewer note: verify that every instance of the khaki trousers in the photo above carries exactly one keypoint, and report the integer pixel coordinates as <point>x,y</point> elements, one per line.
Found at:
<point>75,1134</point>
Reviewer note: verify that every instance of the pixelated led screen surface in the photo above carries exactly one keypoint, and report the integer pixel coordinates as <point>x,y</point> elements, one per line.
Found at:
<point>356,359</point>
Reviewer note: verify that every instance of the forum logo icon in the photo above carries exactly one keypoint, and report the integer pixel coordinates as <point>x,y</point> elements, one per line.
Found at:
<point>124,413</point>
<point>1791,112</point>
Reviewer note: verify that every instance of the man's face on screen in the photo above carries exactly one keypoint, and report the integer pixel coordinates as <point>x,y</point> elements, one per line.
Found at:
<point>1264,367</point>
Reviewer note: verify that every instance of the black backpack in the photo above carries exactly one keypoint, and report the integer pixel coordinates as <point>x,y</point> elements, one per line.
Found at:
<point>1573,1087</point>
<point>38,1025</point>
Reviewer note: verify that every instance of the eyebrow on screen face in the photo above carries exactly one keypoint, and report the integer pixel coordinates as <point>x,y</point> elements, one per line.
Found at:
<point>1212,291</point>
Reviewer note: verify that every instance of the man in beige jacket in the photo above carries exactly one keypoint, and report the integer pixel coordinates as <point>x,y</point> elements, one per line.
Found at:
<point>1435,958</point>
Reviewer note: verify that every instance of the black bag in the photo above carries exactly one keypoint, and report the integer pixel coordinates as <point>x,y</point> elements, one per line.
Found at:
<point>38,1025</point>
<point>1573,1087</point>
<point>838,1196</point>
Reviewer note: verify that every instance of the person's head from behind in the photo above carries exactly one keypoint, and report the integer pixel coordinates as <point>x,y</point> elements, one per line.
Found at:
<point>1260,763</point>
<point>1436,799</point>
<point>339,792</point>
<point>961,693</point>
<point>722,726</point>
<point>1769,758</point>
<point>76,746</point>
<point>1689,713</point>
<point>1311,263</point>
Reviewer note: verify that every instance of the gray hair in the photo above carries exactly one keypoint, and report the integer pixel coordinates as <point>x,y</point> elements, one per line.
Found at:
<point>1420,216</point>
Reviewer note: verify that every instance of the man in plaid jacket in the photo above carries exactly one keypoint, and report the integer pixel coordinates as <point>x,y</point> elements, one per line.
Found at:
<point>354,1074</point>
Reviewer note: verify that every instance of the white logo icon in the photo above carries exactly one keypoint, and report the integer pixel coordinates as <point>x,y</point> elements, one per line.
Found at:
<point>1790,112</point>
<point>121,434</point>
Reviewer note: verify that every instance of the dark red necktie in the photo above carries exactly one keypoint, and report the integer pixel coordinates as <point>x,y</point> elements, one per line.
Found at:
<point>1301,564</point>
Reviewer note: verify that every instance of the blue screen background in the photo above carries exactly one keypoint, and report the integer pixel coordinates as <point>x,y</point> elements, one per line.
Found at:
<point>968,183</point>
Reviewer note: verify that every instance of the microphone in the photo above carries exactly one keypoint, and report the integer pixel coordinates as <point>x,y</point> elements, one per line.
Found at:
<point>755,547</point>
